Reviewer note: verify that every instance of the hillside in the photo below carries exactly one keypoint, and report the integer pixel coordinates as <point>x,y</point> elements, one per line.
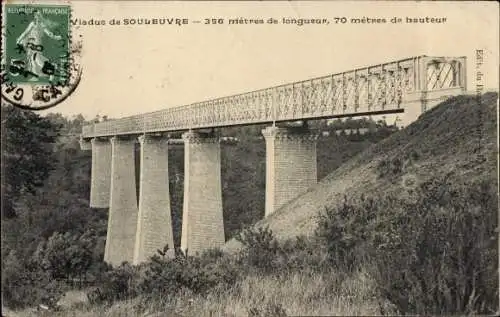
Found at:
<point>456,138</point>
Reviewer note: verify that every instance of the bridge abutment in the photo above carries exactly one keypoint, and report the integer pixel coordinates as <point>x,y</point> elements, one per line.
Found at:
<point>100,178</point>
<point>122,222</point>
<point>417,103</point>
<point>154,223</point>
<point>291,166</point>
<point>202,221</point>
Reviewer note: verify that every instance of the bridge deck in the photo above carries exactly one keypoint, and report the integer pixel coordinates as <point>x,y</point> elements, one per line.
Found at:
<point>383,88</point>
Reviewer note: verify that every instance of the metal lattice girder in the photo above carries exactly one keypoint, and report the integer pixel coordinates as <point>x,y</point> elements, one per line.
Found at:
<point>376,89</point>
<point>441,75</point>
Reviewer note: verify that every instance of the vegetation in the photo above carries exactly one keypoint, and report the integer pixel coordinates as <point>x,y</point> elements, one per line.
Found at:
<point>50,237</point>
<point>27,154</point>
<point>427,247</point>
<point>434,253</point>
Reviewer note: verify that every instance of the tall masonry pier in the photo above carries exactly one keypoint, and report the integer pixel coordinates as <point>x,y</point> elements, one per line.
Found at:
<point>138,226</point>
<point>122,222</point>
<point>290,164</point>
<point>101,173</point>
<point>202,222</point>
<point>154,223</point>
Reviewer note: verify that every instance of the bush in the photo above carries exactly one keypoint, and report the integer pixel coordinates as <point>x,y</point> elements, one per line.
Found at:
<point>165,277</point>
<point>433,254</point>
<point>343,231</point>
<point>42,277</point>
<point>221,270</point>
<point>260,248</point>
<point>65,256</point>
<point>442,250</point>
<point>262,252</point>
<point>116,284</point>
<point>303,253</point>
<point>390,168</point>
<point>25,284</point>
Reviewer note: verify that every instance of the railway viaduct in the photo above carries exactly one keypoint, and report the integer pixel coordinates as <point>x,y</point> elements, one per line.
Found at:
<point>138,227</point>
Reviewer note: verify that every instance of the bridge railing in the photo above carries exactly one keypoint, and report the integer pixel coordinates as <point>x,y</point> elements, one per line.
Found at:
<point>375,89</point>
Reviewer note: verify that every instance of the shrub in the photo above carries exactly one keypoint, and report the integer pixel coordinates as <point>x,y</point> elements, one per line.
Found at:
<point>343,231</point>
<point>221,270</point>
<point>25,284</point>
<point>166,277</point>
<point>390,168</point>
<point>116,284</point>
<point>441,251</point>
<point>262,252</point>
<point>303,253</point>
<point>260,248</point>
<point>65,255</point>
<point>433,254</point>
<point>42,277</point>
<point>197,275</point>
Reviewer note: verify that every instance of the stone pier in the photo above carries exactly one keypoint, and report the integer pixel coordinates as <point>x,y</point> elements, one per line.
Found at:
<point>154,223</point>
<point>202,222</point>
<point>101,173</point>
<point>291,166</point>
<point>122,222</point>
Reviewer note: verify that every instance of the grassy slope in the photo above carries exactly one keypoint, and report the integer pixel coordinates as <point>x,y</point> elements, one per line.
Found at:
<point>299,294</point>
<point>456,138</point>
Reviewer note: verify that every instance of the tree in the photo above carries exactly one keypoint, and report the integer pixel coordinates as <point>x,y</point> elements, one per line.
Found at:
<point>67,255</point>
<point>23,283</point>
<point>27,153</point>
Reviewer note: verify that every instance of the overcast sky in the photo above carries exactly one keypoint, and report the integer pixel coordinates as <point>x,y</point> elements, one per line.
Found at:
<point>135,69</point>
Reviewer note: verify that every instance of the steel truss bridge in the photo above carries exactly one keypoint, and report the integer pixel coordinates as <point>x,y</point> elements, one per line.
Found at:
<point>379,89</point>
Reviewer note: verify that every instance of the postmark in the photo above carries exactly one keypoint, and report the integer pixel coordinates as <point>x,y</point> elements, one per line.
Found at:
<point>40,64</point>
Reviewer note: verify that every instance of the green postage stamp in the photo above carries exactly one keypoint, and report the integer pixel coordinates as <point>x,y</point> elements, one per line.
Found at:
<point>37,43</point>
<point>40,65</point>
